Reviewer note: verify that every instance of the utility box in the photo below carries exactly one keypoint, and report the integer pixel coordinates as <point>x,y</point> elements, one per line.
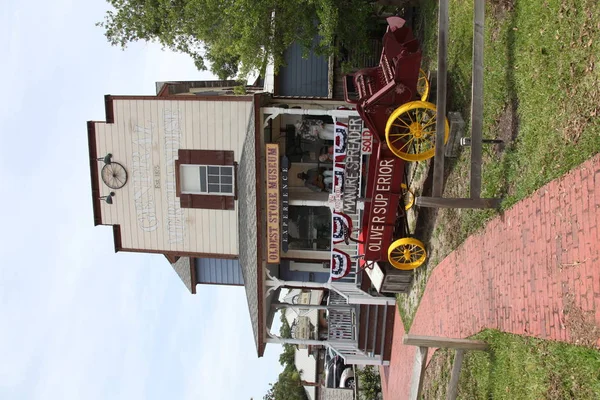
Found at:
<point>387,279</point>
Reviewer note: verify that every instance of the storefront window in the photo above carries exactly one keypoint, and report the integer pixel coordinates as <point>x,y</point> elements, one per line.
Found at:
<point>309,228</point>
<point>310,139</point>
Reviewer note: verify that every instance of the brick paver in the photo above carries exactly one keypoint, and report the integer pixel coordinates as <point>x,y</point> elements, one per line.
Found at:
<point>527,272</point>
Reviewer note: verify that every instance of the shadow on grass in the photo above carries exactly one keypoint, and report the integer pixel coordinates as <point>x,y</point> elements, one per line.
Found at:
<point>511,117</point>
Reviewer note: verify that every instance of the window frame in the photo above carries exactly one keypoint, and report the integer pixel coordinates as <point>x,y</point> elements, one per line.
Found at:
<point>208,192</point>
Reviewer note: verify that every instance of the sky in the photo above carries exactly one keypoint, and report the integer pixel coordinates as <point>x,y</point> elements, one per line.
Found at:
<point>78,321</point>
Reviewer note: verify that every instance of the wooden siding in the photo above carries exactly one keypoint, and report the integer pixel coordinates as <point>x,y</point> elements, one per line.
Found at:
<point>303,76</point>
<point>218,271</point>
<point>145,137</point>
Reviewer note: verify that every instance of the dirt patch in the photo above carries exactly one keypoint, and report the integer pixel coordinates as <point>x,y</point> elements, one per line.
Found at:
<point>437,375</point>
<point>507,127</point>
<point>555,391</point>
<point>581,325</point>
<point>500,10</point>
<point>502,7</point>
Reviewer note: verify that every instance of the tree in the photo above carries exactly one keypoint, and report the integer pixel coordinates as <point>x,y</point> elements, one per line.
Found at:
<point>236,36</point>
<point>287,387</point>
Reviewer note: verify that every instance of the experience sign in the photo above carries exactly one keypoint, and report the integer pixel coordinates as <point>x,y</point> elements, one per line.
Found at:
<point>273,230</point>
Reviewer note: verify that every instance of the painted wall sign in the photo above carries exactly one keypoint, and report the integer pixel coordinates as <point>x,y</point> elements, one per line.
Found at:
<point>175,216</point>
<point>273,228</point>
<point>285,204</point>
<point>142,177</point>
<point>147,182</point>
<point>387,178</point>
<point>353,162</point>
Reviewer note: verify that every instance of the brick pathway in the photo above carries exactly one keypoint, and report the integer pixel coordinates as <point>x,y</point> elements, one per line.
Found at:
<point>534,270</point>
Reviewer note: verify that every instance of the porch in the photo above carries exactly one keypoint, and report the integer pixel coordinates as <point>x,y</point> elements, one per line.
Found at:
<point>359,333</point>
<point>303,241</point>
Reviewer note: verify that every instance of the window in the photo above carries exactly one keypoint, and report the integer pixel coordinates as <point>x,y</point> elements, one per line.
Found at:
<point>207,179</point>
<point>309,228</point>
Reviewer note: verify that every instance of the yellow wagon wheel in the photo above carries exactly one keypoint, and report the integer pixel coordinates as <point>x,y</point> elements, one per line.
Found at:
<point>407,253</point>
<point>409,197</point>
<point>423,85</point>
<point>410,131</point>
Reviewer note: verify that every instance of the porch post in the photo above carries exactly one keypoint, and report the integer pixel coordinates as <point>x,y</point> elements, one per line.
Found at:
<point>307,342</point>
<point>308,111</point>
<point>278,306</point>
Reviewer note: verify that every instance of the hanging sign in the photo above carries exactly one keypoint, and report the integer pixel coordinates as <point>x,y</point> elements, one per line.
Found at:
<point>386,178</point>
<point>285,204</point>
<point>272,196</point>
<point>367,142</point>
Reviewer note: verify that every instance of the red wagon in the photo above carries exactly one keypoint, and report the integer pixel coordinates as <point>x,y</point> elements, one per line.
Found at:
<point>391,98</point>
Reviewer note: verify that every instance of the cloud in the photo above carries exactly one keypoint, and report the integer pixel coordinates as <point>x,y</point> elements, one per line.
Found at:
<point>79,321</point>
<point>229,368</point>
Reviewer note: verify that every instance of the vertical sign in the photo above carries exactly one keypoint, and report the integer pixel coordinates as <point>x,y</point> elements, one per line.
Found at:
<point>353,164</point>
<point>273,231</point>
<point>367,142</point>
<point>285,203</point>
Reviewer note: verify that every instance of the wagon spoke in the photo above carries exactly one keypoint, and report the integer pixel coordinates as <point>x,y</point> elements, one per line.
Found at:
<point>407,143</point>
<point>404,124</point>
<point>400,134</point>
<point>430,123</point>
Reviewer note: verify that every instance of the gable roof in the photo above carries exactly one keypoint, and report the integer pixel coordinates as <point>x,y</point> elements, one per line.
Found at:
<point>184,267</point>
<point>250,224</point>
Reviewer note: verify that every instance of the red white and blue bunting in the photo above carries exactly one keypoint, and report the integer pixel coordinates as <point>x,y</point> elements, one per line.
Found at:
<point>340,142</point>
<point>342,227</point>
<point>340,264</point>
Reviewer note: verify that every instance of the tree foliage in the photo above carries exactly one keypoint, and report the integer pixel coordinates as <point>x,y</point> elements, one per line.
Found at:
<point>370,383</point>
<point>289,382</point>
<point>236,35</point>
<point>288,386</point>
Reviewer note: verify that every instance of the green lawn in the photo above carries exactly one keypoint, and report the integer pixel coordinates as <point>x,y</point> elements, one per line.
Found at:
<point>541,95</point>
<point>519,368</point>
<point>540,60</point>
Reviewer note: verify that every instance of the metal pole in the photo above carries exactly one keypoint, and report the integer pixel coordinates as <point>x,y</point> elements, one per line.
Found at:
<point>438,169</point>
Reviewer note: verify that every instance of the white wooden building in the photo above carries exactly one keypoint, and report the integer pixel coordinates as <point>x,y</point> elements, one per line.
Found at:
<point>197,178</point>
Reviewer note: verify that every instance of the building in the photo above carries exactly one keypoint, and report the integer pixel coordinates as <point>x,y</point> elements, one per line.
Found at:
<point>212,182</point>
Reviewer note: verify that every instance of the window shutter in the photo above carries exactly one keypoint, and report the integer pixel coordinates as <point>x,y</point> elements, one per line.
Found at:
<point>185,156</point>
<point>228,158</point>
<point>185,201</point>
<point>209,157</point>
<point>207,202</point>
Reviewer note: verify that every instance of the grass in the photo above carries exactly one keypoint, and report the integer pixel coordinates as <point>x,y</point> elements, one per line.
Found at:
<point>540,60</point>
<point>521,368</point>
<point>541,95</point>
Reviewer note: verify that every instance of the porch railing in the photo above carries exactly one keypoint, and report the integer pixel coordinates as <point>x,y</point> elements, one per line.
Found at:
<point>341,323</point>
